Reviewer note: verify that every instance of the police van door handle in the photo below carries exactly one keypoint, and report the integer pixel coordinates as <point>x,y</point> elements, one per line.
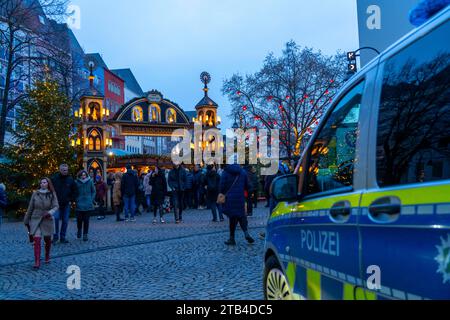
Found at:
<point>340,212</point>
<point>385,210</point>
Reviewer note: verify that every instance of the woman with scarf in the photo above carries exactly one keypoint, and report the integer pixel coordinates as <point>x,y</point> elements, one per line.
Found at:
<point>39,219</point>
<point>85,203</point>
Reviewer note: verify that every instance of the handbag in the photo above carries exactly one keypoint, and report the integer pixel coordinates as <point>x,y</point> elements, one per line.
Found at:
<point>222,198</point>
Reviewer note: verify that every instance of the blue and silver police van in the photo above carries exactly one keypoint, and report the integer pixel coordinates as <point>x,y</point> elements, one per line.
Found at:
<point>366,215</point>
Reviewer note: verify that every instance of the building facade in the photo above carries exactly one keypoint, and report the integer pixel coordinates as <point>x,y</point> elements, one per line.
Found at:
<point>44,46</point>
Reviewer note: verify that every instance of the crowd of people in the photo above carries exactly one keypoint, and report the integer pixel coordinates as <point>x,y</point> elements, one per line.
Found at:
<point>231,191</point>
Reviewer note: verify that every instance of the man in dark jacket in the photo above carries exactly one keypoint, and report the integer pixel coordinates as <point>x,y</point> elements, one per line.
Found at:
<point>177,182</point>
<point>233,183</point>
<point>129,187</point>
<point>188,203</point>
<point>197,177</point>
<point>66,193</point>
<point>212,185</point>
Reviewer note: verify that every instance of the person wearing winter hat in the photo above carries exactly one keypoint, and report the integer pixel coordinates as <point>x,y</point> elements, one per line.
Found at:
<point>129,188</point>
<point>84,203</point>
<point>233,183</point>
<point>39,219</point>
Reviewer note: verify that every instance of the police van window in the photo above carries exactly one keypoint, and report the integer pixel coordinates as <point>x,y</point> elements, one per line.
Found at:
<point>333,153</point>
<point>413,140</point>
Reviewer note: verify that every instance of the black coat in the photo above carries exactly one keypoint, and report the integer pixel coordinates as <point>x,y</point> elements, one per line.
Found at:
<point>212,182</point>
<point>129,185</point>
<point>66,189</point>
<point>252,180</point>
<point>159,188</point>
<point>177,179</point>
<point>3,199</point>
<point>233,183</point>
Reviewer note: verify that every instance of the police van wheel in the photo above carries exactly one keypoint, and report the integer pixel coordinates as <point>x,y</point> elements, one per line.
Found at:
<point>276,285</point>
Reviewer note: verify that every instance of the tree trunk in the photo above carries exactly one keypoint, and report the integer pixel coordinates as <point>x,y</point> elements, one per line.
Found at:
<point>5,105</point>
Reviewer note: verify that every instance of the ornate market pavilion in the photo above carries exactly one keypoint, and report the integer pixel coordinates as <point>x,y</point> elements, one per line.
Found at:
<point>150,116</point>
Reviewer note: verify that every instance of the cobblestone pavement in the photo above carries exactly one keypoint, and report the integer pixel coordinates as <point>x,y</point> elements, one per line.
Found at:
<point>139,261</point>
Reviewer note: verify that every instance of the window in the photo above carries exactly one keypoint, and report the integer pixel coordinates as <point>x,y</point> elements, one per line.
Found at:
<point>138,114</point>
<point>333,153</point>
<point>155,113</point>
<point>414,113</point>
<point>95,141</point>
<point>114,88</point>
<point>171,116</point>
<point>94,112</point>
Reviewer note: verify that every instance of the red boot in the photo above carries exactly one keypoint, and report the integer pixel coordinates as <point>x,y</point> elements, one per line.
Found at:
<point>48,245</point>
<point>37,252</point>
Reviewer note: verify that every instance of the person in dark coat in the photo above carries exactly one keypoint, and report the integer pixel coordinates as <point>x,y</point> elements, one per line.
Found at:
<point>3,201</point>
<point>252,189</point>
<point>188,195</point>
<point>129,187</point>
<point>159,191</point>
<point>233,184</point>
<point>212,185</point>
<point>196,179</point>
<point>202,190</point>
<point>177,182</point>
<point>101,190</point>
<point>66,193</point>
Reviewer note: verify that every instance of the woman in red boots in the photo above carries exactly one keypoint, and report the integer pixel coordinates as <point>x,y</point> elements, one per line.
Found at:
<point>39,219</point>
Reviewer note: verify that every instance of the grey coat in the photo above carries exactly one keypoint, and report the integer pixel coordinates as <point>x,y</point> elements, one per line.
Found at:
<point>41,203</point>
<point>86,195</point>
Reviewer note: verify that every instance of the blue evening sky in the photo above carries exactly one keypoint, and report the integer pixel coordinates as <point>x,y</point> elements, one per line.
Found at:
<point>168,43</point>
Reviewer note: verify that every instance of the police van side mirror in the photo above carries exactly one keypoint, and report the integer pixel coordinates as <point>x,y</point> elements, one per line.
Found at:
<point>285,188</point>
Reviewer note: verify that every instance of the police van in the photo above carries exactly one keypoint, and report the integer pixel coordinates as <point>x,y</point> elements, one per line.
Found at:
<point>366,215</point>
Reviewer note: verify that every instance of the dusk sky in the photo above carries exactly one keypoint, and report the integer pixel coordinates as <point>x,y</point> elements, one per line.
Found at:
<point>168,43</point>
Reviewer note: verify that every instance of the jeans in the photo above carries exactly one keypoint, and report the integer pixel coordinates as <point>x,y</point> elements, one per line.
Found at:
<point>63,215</point>
<point>156,209</point>
<point>129,205</point>
<point>202,197</point>
<point>177,197</point>
<point>213,206</point>
<point>188,203</point>
<point>195,197</point>
<point>149,202</point>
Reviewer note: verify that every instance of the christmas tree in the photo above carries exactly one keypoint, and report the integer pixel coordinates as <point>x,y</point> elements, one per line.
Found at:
<point>42,138</point>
